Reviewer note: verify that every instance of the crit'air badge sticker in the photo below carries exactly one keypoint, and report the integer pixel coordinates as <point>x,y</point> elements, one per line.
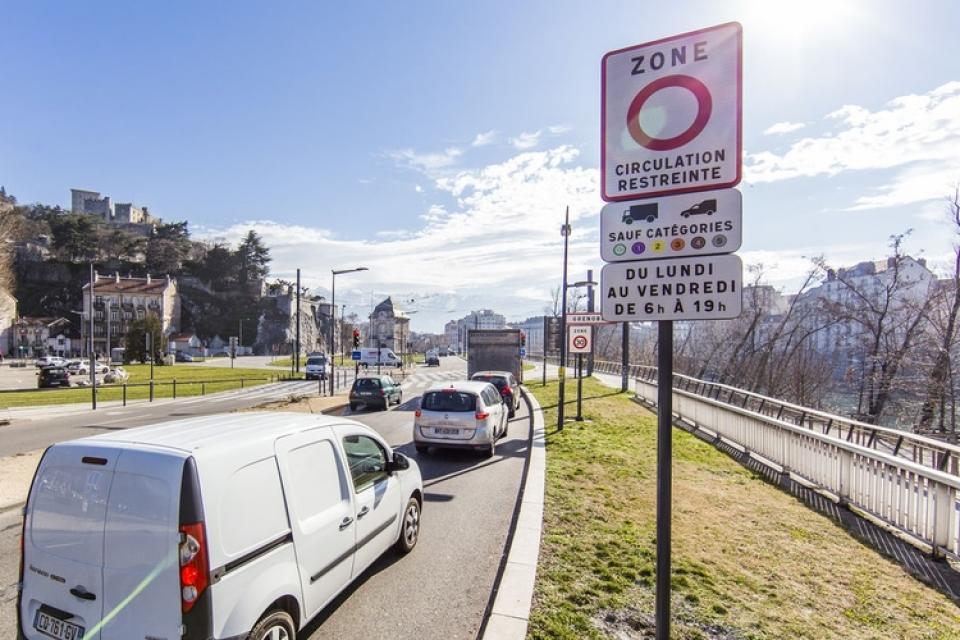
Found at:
<point>619,249</point>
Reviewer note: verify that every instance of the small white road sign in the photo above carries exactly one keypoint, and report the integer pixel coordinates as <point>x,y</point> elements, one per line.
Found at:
<point>671,115</point>
<point>702,288</point>
<point>693,224</point>
<point>590,317</point>
<point>579,338</point>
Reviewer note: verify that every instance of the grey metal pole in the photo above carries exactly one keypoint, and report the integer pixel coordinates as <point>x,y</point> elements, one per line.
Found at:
<point>593,328</point>
<point>664,473</point>
<point>625,356</point>
<point>93,353</point>
<point>296,354</point>
<point>333,319</point>
<point>563,322</point>
<point>579,387</point>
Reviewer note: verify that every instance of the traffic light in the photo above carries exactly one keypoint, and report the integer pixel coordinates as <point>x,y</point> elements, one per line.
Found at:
<point>356,338</point>
<point>523,339</point>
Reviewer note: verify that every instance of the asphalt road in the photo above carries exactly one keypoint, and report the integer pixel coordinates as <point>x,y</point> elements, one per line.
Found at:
<point>443,588</point>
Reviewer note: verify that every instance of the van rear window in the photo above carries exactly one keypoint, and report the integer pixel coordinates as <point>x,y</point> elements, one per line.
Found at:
<point>69,512</point>
<point>450,401</point>
<point>316,360</point>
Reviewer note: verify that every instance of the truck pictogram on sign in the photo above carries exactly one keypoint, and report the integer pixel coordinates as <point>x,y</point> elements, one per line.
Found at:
<point>671,115</point>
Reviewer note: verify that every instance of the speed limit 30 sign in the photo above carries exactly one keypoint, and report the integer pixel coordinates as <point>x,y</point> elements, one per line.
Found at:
<point>671,116</point>
<point>579,339</point>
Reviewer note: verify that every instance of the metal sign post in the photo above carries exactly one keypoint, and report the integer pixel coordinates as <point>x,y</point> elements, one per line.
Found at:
<point>664,473</point>
<point>581,342</point>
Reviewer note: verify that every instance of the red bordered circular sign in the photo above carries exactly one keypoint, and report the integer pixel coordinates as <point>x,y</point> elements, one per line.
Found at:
<point>704,108</point>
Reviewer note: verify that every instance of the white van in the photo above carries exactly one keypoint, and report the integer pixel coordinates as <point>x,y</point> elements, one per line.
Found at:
<point>368,357</point>
<point>242,525</point>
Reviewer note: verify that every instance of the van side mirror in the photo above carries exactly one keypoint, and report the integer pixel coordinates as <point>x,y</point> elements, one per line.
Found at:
<point>399,463</point>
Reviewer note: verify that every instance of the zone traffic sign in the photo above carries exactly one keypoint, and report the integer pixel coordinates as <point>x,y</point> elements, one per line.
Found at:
<point>579,339</point>
<point>671,115</point>
<point>692,224</point>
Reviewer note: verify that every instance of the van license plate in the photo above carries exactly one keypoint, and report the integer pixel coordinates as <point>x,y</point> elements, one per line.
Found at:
<point>57,628</point>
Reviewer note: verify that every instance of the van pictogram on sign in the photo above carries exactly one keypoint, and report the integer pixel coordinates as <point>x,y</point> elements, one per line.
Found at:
<point>671,115</point>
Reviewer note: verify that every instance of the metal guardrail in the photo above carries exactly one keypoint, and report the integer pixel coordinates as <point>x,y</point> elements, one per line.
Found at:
<point>893,476</point>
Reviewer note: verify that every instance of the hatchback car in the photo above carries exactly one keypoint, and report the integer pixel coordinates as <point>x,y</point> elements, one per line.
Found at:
<point>375,391</point>
<point>506,384</point>
<point>464,415</point>
<point>53,377</point>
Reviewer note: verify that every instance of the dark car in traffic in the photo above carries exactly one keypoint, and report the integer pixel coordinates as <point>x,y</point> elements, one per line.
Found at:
<point>53,377</point>
<point>375,391</point>
<point>506,384</point>
<point>433,360</point>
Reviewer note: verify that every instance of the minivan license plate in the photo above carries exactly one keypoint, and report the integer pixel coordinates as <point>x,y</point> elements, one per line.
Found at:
<point>446,431</point>
<point>57,628</point>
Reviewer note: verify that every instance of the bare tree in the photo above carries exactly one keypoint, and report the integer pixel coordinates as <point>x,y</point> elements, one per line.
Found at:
<point>885,319</point>
<point>944,321</point>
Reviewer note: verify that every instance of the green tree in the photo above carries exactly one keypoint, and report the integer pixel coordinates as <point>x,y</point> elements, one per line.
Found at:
<point>75,236</point>
<point>135,344</point>
<point>219,266</point>
<point>253,258</point>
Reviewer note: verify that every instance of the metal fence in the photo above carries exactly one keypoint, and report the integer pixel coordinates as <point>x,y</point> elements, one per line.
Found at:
<point>907,481</point>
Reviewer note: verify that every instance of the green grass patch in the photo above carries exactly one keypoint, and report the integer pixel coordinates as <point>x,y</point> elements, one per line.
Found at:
<point>190,381</point>
<point>749,561</point>
<point>528,366</point>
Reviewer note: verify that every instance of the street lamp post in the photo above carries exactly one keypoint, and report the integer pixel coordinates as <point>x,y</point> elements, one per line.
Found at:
<point>565,232</point>
<point>333,312</point>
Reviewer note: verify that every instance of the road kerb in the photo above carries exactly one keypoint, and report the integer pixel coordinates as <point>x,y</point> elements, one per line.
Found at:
<point>510,613</point>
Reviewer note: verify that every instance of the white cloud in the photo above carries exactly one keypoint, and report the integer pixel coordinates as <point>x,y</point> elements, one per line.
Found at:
<point>557,129</point>
<point>526,140</point>
<point>428,163</point>
<point>917,134</point>
<point>502,236</point>
<point>484,138</point>
<point>783,127</point>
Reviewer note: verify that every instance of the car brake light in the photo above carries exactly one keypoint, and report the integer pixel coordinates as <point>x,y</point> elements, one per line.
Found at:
<point>506,391</point>
<point>417,413</point>
<point>482,416</point>
<point>194,572</point>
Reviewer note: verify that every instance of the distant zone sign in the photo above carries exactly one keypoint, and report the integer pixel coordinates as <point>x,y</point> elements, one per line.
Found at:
<point>579,339</point>
<point>693,224</point>
<point>671,115</point>
<point>702,288</point>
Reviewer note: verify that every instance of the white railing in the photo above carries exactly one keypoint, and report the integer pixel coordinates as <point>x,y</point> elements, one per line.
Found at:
<point>916,498</point>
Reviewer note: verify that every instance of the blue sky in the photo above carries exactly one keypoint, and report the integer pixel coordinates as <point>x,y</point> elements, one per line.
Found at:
<point>438,142</point>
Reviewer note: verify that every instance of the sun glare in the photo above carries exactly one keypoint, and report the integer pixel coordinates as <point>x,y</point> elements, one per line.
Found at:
<point>809,20</point>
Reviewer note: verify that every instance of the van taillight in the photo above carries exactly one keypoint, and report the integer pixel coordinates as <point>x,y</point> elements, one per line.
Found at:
<point>194,571</point>
<point>482,416</point>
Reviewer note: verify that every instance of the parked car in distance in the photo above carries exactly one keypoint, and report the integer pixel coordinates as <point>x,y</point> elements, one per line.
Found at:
<point>49,361</point>
<point>375,391</point>
<point>466,414</point>
<point>506,385</point>
<point>82,368</point>
<point>116,374</point>
<point>271,516</point>
<point>316,368</point>
<point>53,376</point>
<point>180,356</point>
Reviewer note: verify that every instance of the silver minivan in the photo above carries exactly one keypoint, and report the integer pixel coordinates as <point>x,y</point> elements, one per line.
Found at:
<point>465,415</point>
<point>217,527</point>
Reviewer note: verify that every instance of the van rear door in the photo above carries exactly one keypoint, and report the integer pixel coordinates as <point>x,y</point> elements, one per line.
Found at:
<point>141,594</point>
<point>63,544</point>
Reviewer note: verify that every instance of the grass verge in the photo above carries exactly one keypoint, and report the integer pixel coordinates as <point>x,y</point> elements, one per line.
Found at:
<point>191,381</point>
<point>748,560</point>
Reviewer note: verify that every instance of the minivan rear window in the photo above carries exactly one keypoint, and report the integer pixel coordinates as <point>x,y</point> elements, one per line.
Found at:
<point>450,401</point>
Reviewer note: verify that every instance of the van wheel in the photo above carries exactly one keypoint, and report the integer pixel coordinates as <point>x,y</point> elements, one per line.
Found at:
<point>409,527</point>
<point>276,625</point>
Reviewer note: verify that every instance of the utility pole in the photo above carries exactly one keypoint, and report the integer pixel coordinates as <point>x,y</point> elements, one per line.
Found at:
<point>565,232</point>
<point>593,328</point>
<point>93,353</point>
<point>296,351</point>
